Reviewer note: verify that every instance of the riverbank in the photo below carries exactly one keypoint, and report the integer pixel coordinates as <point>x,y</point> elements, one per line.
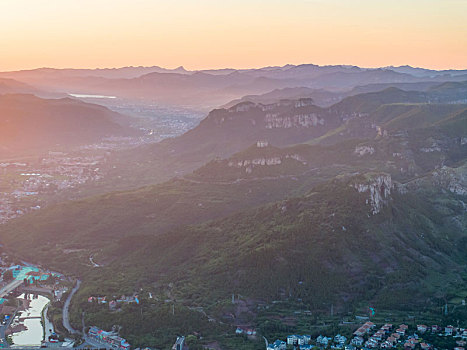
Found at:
<point>27,328</point>
<point>47,326</point>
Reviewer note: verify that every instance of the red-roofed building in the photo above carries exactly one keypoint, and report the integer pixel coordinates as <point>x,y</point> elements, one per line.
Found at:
<point>422,328</point>
<point>386,328</point>
<point>378,336</point>
<point>391,339</point>
<point>359,332</point>
<point>400,331</point>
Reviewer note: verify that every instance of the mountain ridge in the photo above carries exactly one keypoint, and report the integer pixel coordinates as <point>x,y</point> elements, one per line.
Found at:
<point>30,121</point>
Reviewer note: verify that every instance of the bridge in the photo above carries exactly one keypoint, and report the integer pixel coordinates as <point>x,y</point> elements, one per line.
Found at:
<point>10,287</point>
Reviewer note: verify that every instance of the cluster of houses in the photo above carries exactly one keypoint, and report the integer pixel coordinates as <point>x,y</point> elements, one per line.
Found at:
<point>55,173</point>
<point>367,337</point>
<point>303,342</point>
<point>115,302</point>
<point>383,338</point>
<point>111,339</point>
<point>387,337</point>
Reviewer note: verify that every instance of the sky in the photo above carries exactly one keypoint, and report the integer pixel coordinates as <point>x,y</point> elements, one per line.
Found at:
<point>202,34</point>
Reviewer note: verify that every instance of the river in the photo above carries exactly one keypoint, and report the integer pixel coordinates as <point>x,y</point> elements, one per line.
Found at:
<point>30,318</point>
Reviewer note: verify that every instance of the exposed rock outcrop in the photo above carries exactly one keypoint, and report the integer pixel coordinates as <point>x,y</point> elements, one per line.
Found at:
<point>379,187</point>
<point>255,161</point>
<point>363,150</point>
<point>274,121</point>
<point>450,179</point>
<point>454,180</point>
<point>249,164</point>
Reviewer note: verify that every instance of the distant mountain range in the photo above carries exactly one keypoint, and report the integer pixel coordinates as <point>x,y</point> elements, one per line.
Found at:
<point>29,124</point>
<point>11,86</point>
<point>210,88</point>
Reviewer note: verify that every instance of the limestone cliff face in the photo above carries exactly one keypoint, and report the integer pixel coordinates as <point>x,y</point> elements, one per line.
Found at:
<point>275,121</point>
<point>454,180</point>
<point>242,107</point>
<point>450,179</point>
<point>249,164</point>
<point>352,115</point>
<point>363,150</point>
<point>378,187</point>
<point>255,161</point>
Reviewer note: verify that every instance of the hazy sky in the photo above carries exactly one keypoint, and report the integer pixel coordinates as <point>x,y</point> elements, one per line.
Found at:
<point>232,33</point>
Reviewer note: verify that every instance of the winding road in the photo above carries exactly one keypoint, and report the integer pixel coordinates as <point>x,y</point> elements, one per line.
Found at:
<point>66,307</point>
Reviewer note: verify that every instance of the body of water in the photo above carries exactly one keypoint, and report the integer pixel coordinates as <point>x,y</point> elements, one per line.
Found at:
<point>31,319</point>
<point>91,96</point>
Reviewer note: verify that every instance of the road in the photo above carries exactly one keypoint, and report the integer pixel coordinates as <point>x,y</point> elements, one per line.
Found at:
<point>3,292</point>
<point>3,328</point>
<point>91,259</point>
<point>10,287</point>
<point>66,307</point>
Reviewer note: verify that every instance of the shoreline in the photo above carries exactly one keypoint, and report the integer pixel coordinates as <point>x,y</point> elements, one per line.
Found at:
<point>18,325</point>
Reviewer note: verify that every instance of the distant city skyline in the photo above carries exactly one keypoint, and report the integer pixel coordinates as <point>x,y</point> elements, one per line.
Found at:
<point>207,34</point>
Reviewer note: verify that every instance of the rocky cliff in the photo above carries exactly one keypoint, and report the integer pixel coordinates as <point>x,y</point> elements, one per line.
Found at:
<point>378,187</point>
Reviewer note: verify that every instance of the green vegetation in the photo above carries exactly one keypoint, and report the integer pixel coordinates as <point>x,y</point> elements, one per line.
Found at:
<point>291,240</point>
<point>281,252</point>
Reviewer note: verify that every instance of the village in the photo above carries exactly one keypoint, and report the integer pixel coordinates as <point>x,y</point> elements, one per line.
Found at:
<point>23,284</point>
<point>387,336</point>
<point>28,185</point>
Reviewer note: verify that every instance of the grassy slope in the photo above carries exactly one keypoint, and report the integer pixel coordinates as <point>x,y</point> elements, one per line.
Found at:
<point>318,249</point>
<point>303,239</point>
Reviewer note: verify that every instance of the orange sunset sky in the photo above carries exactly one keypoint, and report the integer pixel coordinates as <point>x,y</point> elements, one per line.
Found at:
<point>202,34</point>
